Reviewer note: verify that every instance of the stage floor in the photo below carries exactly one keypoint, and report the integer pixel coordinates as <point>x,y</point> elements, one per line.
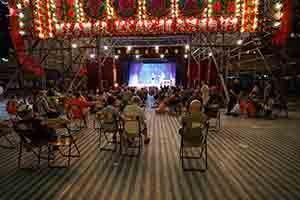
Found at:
<point>247,159</point>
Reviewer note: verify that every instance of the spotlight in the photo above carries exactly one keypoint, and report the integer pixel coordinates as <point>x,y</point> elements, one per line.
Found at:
<point>22,33</point>
<point>74,45</point>
<point>162,55</point>
<point>105,47</point>
<point>210,54</point>
<point>92,55</point>
<point>4,59</point>
<point>21,15</point>
<point>129,48</point>
<point>239,42</point>
<point>116,85</point>
<point>116,56</point>
<point>156,48</point>
<point>278,6</point>
<point>187,47</point>
<point>292,35</point>
<point>185,56</point>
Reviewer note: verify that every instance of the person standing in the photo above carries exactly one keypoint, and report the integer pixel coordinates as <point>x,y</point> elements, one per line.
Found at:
<point>234,95</point>
<point>204,92</point>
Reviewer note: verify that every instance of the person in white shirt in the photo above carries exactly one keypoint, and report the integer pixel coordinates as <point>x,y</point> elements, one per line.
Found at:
<point>204,92</point>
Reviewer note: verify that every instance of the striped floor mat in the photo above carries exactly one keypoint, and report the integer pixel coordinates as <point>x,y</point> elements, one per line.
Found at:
<point>243,163</point>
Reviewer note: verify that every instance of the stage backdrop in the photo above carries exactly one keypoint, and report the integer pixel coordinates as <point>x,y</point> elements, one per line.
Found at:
<point>149,72</point>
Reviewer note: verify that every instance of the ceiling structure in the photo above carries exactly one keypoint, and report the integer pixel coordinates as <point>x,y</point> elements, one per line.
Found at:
<point>61,34</point>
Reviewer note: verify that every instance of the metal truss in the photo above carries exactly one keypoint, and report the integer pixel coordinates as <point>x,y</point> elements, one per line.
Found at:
<point>68,55</point>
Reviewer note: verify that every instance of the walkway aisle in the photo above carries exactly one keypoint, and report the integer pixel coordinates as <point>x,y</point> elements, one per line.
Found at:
<point>244,163</point>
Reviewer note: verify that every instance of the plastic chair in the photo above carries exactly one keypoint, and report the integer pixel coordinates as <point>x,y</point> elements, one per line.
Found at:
<point>108,129</point>
<point>132,130</point>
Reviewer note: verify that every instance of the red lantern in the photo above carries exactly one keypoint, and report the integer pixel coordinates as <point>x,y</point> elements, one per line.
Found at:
<point>217,6</point>
<point>231,7</point>
<point>71,13</point>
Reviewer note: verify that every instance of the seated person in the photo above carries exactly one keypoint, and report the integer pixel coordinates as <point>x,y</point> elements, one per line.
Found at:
<point>162,106</point>
<point>37,130</point>
<point>41,105</point>
<point>195,115</point>
<point>12,106</point>
<point>110,109</point>
<point>136,110</point>
<point>82,107</point>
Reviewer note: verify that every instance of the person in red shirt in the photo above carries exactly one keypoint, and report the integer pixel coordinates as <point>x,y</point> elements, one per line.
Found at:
<point>78,107</point>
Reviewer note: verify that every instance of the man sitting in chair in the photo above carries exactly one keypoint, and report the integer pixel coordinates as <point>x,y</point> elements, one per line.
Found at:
<point>195,117</point>
<point>135,109</point>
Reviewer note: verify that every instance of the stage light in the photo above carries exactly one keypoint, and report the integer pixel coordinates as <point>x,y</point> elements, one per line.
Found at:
<point>210,54</point>
<point>129,48</point>
<point>162,55</point>
<point>116,56</point>
<point>92,55</point>
<point>74,45</point>
<point>276,24</point>
<point>278,6</point>
<point>22,33</point>
<point>21,15</point>
<point>4,59</point>
<point>185,56</point>
<point>239,42</point>
<point>137,56</point>
<point>105,47</point>
<point>157,49</point>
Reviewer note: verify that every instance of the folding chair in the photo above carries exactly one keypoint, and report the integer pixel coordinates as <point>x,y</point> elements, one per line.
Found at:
<point>131,131</point>
<point>68,140</point>
<point>34,146</point>
<point>108,130</point>
<point>214,114</point>
<point>5,131</point>
<point>191,138</point>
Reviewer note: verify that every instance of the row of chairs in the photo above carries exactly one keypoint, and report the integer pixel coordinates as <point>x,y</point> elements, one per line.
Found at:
<point>130,127</point>
<point>117,131</point>
<point>64,143</point>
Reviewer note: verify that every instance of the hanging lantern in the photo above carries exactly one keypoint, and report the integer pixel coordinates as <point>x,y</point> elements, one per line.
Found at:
<point>231,7</point>
<point>192,7</point>
<point>217,7</point>
<point>158,8</point>
<point>95,8</point>
<point>126,8</point>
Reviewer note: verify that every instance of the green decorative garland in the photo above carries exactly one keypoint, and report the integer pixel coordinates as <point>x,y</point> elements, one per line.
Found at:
<point>159,12</point>
<point>201,4</point>
<point>129,12</point>
<point>89,11</point>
